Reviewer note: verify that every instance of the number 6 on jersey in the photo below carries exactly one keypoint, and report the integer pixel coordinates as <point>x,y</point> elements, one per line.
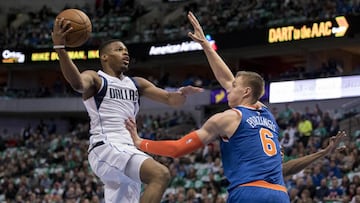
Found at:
<point>268,144</point>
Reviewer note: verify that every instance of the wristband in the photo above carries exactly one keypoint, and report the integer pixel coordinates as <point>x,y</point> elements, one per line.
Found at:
<point>59,46</point>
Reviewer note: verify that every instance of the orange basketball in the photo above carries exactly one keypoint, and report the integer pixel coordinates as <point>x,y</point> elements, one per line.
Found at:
<point>81,25</point>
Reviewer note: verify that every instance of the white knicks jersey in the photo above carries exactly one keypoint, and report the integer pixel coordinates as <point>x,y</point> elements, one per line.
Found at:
<point>116,101</point>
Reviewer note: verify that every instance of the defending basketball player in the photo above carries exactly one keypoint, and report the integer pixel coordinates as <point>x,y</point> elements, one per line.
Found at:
<point>110,97</point>
<point>249,143</point>
<point>224,76</point>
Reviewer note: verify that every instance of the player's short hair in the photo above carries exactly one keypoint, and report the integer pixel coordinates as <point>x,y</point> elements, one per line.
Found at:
<point>104,44</point>
<point>254,81</point>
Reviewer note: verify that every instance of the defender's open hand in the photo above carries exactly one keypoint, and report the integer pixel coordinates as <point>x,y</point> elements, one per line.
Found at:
<point>131,127</point>
<point>334,142</point>
<point>198,34</point>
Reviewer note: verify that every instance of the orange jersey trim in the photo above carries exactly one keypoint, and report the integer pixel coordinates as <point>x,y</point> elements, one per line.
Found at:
<point>264,184</point>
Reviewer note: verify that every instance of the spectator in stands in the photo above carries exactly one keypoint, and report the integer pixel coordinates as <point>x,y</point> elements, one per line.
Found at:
<point>286,115</point>
<point>322,191</point>
<point>317,175</point>
<point>334,170</point>
<point>334,127</point>
<point>351,191</point>
<point>309,184</point>
<point>335,191</point>
<point>305,129</point>
<point>287,142</point>
<point>293,194</point>
<point>320,130</point>
<point>326,118</point>
<point>305,196</point>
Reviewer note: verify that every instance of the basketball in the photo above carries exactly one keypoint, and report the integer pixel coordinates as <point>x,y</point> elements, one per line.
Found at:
<point>81,25</point>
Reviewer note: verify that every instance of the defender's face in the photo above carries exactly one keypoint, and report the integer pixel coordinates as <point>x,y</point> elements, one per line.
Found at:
<point>236,93</point>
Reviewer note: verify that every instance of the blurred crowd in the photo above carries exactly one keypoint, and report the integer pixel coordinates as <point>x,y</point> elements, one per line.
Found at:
<point>332,179</point>
<point>41,165</point>
<point>120,19</point>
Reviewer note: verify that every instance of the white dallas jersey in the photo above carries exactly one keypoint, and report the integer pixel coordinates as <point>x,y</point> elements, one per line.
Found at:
<point>116,101</point>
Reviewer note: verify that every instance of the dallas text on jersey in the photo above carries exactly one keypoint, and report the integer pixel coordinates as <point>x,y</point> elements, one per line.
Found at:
<point>124,94</point>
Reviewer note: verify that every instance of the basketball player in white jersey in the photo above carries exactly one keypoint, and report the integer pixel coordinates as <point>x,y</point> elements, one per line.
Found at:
<point>110,97</point>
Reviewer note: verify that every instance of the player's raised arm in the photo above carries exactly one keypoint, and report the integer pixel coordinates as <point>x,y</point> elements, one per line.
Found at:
<point>221,71</point>
<point>79,82</point>
<point>173,99</point>
<point>296,165</point>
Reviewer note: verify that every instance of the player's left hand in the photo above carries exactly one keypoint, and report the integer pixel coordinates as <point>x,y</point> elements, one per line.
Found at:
<point>60,29</point>
<point>198,34</point>
<point>131,127</point>
<point>334,142</point>
<point>188,90</point>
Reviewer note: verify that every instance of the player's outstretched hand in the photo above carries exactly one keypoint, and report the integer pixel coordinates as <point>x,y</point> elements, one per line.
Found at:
<point>198,34</point>
<point>334,142</point>
<point>187,90</point>
<point>60,29</point>
<point>131,127</point>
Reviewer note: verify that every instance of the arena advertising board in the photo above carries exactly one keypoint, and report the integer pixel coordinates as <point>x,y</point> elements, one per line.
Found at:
<point>336,27</point>
<point>73,54</point>
<point>11,56</point>
<point>179,47</point>
<point>140,50</point>
<point>314,89</point>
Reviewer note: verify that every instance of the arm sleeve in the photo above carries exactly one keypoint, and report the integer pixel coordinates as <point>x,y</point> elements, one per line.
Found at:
<point>173,148</point>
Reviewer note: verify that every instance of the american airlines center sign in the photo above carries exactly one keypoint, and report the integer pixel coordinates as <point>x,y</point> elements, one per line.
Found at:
<point>179,47</point>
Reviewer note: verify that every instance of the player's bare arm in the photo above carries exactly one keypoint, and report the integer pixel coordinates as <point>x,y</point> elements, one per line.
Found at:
<point>296,165</point>
<point>221,71</point>
<point>173,99</point>
<point>88,81</point>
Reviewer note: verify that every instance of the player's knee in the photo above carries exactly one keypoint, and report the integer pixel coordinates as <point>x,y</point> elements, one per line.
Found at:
<point>163,175</point>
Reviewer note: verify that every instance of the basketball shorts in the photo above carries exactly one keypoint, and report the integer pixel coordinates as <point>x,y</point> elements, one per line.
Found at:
<point>118,167</point>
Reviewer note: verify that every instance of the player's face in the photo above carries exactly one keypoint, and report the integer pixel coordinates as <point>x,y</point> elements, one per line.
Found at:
<point>118,56</point>
<point>237,92</point>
